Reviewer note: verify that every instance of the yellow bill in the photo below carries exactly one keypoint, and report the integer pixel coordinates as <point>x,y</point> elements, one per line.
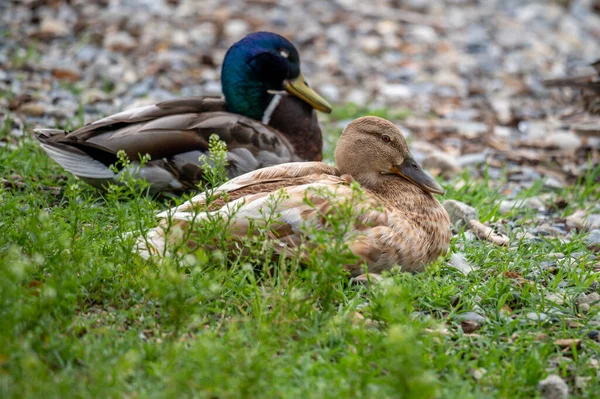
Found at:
<point>300,89</point>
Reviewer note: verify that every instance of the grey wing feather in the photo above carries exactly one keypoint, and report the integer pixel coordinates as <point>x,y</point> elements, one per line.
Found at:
<point>141,114</point>
<point>174,134</point>
<point>77,162</point>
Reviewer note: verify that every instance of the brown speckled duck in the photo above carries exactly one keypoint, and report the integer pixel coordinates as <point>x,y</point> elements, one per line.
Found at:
<point>266,118</point>
<point>400,221</point>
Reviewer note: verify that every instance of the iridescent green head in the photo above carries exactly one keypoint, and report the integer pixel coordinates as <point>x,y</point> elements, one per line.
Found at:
<point>259,65</point>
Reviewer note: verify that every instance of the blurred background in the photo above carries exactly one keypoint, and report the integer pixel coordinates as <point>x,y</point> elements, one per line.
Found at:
<point>464,76</point>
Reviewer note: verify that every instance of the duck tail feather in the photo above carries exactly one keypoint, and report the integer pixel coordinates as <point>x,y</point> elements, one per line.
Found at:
<point>75,161</point>
<point>49,134</point>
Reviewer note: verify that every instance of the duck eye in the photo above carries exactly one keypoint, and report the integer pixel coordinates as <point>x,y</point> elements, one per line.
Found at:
<point>386,138</point>
<point>284,53</point>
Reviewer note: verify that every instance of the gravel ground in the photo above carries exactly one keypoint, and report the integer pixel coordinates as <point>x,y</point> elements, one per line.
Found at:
<point>457,59</point>
<point>467,73</point>
<point>475,65</point>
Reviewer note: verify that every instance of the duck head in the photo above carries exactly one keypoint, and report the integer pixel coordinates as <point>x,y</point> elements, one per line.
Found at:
<point>370,147</point>
<point>259,65</point>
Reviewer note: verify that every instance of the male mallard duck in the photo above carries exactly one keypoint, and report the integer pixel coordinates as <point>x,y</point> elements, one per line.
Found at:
<point>259,122</point>
<point>400,221</point>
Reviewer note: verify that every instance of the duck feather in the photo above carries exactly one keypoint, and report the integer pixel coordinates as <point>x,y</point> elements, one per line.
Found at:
<point>175,134</point>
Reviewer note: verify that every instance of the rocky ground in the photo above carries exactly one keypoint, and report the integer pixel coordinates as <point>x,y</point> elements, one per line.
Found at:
<point>469,72</point>
<point>477,65</point>
<point>466,75</point>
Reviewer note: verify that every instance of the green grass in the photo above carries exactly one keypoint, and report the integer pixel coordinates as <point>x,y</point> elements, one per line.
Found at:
<point>82,316</point>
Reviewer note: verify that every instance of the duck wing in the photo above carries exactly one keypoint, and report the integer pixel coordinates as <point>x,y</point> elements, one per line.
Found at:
<point>174,134</point>
<point>150,112</point>
<point>250,195</point>
<point>268,179</point>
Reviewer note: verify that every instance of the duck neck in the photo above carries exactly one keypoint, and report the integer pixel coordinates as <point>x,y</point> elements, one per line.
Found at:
<point>244,93</point>
<point>398,191</point>
<point>297,122</point>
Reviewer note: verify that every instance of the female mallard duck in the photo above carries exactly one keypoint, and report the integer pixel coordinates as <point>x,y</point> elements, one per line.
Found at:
<point>400,222</point>
<point>259,122</point>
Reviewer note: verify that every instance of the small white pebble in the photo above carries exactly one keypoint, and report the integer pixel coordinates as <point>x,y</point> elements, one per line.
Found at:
<point>460,262</point>
<point>554,387</point>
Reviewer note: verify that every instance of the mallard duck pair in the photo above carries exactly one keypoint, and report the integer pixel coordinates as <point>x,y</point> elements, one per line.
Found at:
<point>268,122</point>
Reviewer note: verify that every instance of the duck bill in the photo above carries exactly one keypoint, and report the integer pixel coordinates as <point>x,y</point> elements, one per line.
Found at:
<point>300,89</point>
<point>411,171</point>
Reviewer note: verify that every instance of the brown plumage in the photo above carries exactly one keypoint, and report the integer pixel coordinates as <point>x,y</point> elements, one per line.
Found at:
<point>398,220</point>
<point>175,134</point>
